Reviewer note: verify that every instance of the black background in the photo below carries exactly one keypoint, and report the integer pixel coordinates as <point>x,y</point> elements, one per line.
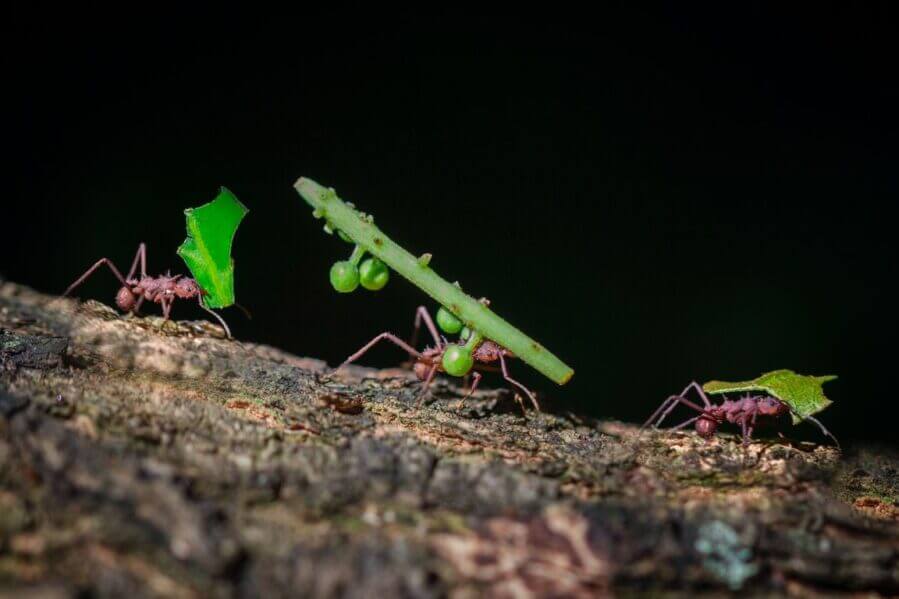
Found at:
<point>657,195</point>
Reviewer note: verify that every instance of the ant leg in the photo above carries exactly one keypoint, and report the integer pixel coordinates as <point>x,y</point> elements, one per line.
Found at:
<point>751,427</point>
<point>505,370</point>
<point>421,314</point>
<point>476,378</point>
<point>136,309</point>
<point>91,271</point>
<point>520,402</point>
<point>668,410</point>
<point>685,423</point>
<point>823,429</point>
<point>166,312</point>
<point>676,399</point>
<point>427,384</point>
<point>245,311</point>
<point>389,337</point>
<point>699,391</point>
<point>665,404</point>
<point>217,317</point>
<point>140,256</point>
<point>680,400</point>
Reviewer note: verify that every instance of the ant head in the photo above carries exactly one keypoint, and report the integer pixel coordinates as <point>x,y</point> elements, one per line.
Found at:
<point>125,300</point>
<point>706,427</point>
<point>771,406</point>
<point>187,288</point>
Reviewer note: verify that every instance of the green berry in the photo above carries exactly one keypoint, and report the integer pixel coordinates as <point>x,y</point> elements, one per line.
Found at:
<point>344,276</point>
<point>457,360</point>
<point>465,334</point>
<point>447,322</point>
<point>373,274</point>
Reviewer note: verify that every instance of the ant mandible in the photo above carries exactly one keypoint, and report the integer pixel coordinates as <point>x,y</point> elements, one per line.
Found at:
<point>163,290</point>
<point>744,412</point>
<point>456,359</point>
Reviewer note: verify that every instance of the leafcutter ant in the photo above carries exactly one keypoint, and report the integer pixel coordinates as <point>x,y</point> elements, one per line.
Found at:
<point>163,290</point>
<point>473,352</point>
<point>745,412</point>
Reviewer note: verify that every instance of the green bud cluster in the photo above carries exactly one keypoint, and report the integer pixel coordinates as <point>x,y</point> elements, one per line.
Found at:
<point>457,357</point>
<point>346,275</point>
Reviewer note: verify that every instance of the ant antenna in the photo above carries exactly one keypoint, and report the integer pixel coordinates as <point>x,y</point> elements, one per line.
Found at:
<point>820,426</point>
<point>245,311</point>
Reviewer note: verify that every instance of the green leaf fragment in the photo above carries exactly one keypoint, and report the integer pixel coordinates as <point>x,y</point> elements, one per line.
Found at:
<point>207,249</point>
<point>803,393</point>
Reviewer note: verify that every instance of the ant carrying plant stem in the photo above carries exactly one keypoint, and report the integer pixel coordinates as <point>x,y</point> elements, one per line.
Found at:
<point>163,290</point>
<point>356,227</point>
<point>456,359</point>
<point>745,412</point>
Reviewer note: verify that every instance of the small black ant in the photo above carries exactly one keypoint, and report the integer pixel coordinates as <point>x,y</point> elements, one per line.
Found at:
<point>744,411</point>
<point>456,359</point>
<point>163,290</point>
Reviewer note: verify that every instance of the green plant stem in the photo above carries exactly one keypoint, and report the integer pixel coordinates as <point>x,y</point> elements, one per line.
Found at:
<point>473,340</point>
<point>362,230</point>
<point>357,255</point>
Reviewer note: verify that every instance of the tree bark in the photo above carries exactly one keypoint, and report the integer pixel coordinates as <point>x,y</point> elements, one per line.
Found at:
<point>141,459</point>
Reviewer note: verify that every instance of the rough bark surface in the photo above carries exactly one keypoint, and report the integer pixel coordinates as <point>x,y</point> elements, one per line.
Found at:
<point>141,460</point>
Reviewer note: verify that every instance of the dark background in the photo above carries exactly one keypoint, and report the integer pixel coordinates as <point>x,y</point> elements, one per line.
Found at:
<point>657,195</point>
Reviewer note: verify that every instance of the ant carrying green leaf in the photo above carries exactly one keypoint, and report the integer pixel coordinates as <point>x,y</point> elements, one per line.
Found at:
<point>207,253</point>
<point>783,392</point>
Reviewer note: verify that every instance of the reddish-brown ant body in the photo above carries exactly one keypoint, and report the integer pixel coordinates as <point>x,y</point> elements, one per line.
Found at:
<point>431,360</point>
<point>745,412</point>
<point>163,290</point>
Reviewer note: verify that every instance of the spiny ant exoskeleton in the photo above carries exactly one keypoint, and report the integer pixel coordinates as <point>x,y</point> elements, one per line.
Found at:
<point>747,412</point>
<point>163,290</point>
<point>473,352</point>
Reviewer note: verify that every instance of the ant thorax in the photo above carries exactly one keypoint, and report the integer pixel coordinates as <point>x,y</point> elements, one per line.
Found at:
<point>732,410</point>
<point>162,286</point>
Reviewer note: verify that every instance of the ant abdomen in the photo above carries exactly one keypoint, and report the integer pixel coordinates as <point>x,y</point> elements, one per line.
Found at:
<point>125,299</point>
<point>706,427</point>
<point>421,370</point>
